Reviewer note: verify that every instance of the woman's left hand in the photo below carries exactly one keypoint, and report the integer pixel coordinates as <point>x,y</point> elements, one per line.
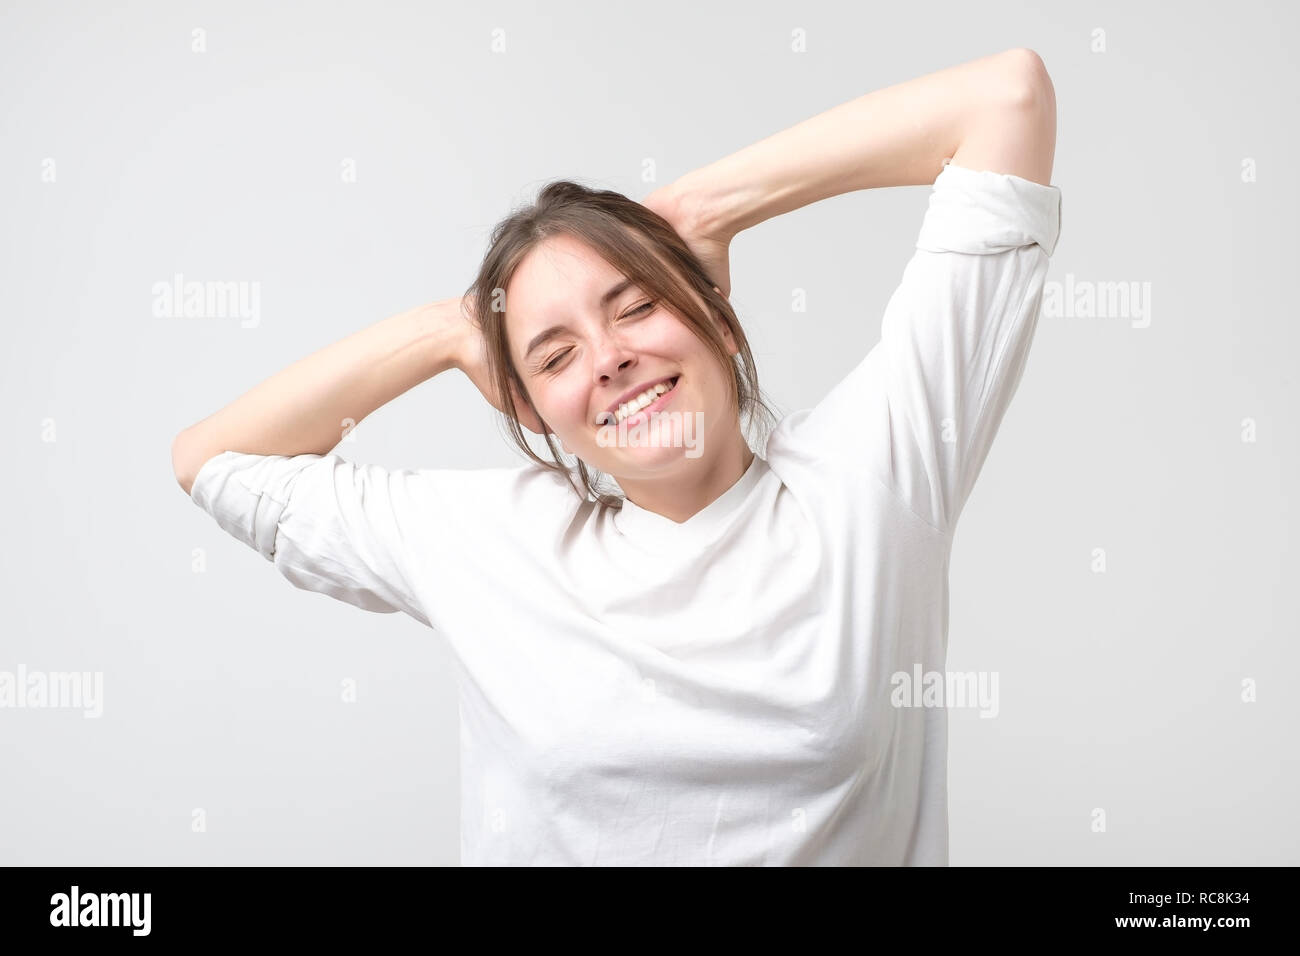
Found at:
<point>711,248</point>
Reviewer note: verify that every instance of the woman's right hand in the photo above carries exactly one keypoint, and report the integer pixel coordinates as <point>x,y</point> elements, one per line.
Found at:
<point>472,360</point>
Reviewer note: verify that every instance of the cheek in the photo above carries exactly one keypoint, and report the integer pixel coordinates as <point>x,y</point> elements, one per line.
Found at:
<point>690,351</point>
<point>668,343</point>
<point>565,403</point>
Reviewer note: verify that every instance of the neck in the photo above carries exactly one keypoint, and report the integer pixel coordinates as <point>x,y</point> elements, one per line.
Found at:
<point>696,485</point>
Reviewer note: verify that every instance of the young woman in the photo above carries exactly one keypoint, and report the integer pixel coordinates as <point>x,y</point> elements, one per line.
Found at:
<point>699,671</point>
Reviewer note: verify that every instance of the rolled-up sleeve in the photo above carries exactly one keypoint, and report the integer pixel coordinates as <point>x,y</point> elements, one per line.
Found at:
<point>920,411</point>
<point>327,524</point>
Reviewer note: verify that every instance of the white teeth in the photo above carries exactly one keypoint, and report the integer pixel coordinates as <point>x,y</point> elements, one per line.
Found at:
<point>632,406</point>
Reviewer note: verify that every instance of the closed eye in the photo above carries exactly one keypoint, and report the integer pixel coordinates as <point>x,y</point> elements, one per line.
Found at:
<point>642,309</point>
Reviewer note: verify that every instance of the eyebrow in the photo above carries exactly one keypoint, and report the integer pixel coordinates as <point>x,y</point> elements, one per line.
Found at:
<point>541,338</point>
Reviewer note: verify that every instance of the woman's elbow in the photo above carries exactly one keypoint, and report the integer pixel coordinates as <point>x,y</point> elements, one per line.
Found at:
<point>182,463</point>
<point>1029,84</point>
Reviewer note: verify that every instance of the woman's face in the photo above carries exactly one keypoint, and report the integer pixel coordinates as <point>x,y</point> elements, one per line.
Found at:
<point>583,338</point>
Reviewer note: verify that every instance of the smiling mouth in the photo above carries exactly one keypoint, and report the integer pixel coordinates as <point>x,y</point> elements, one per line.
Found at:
<point>631,410</point>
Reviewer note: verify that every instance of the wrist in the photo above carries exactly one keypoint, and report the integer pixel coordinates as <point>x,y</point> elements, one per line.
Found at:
<point>715,204</point>
<point>442,329</point>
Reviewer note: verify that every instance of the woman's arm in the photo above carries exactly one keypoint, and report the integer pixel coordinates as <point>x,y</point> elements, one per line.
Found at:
<point>997,113</point>
<point>301,409</point>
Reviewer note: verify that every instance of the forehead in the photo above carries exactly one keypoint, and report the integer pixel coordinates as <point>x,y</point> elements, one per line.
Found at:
<point>557,274</point>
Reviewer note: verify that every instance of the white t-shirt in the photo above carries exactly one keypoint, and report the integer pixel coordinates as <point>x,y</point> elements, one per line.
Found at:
<point>637,691</point>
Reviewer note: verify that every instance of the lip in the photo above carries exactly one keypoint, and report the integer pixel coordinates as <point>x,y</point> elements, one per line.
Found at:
<point>632,393</point>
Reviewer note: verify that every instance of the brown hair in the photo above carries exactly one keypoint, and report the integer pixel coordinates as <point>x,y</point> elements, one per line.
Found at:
<point>643,246</point>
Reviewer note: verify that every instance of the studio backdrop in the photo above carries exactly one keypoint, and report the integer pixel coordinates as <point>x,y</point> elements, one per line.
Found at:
<point>1121,568</point>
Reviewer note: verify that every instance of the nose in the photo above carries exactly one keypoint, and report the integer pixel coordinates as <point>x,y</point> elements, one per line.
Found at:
<point>612,358</point>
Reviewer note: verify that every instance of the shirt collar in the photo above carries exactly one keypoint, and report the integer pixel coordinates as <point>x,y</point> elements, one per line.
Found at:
<point>658,532</point>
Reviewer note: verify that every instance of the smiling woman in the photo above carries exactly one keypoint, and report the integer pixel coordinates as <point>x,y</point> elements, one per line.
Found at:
<point>585,300</point>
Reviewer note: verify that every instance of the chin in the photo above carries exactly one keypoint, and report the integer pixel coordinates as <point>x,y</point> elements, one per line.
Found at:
<point>645,462</point>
